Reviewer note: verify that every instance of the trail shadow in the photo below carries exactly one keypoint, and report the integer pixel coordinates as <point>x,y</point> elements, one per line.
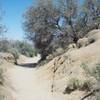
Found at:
<point>28,65</point>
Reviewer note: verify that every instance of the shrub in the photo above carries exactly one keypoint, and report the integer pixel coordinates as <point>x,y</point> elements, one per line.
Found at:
<point>32,52</point>
<point>1,82</point>
<point>1,61</point>
<point>4,45</point>
<point>1,76</point>
<point>25,48</point>
<point>80,84</point>
<point>15,54</point>
<point>1,97</point>
<point>94,72</point>
<point>85,67</point>
<point>77,84</point>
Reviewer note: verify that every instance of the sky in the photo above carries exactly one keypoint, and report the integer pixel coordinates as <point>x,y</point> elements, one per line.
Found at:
<point>13,17</point>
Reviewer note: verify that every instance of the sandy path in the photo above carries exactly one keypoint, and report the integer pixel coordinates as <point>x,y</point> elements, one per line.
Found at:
<point>26,85</point>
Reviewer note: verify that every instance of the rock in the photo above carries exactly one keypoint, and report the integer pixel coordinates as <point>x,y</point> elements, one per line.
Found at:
<point>49,57</point>
<point>72,46</point>
<point>59,50</point>
<point>82,42</point>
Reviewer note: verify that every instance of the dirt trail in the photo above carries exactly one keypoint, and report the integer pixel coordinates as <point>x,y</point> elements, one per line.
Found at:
<point>26,85</point>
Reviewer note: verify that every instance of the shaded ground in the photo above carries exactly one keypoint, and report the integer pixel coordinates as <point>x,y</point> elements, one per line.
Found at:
<point>29,65</point>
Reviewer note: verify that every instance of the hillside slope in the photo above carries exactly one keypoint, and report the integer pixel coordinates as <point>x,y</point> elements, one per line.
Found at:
<point>21,82</point>
<point>68,66</point>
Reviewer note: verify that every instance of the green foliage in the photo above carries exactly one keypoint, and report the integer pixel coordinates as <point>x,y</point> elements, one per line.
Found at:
<point>4,45</point>
<point>98,97</point>
<point>1,76</point>
<point>20,46</point>
<point>1,82</point>
<point>79,84</point>
<point>15,54</point>
<point>85,67</point>
<point>1,97</point>
<point>25,48</point>
<point>32,52</point>
<point>94,72</point>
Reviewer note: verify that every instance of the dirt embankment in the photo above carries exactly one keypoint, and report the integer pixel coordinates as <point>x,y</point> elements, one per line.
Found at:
<point>68,67</point>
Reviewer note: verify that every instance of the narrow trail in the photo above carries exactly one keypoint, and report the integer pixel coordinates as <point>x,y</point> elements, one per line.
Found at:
<point>26,85</point>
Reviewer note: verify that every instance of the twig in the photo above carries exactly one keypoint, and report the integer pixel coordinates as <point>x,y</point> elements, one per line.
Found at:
<point>89,94</point>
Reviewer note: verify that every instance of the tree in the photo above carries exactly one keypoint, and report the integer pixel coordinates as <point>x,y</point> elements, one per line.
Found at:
<point>69,9</point>
<point>4,45</point>
<point>2,26</point>
<point>0,21</point>
<point>91,8</point>
<point>40,24</point>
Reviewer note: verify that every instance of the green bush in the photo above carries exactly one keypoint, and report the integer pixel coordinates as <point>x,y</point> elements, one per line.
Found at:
<point>20,46</point>
<point>25,48</point>
<point>15,54</point>
<point>1,82</point>
<point>1,97</point>
<point>4,45</point>
<point>32,52</point>
<point>94,72</point>
<point>77,84</point>
<point>1,76</point>
<point>85,67</point>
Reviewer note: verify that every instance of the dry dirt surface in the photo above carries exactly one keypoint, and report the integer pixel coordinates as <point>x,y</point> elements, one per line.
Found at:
<point>22,83</point>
